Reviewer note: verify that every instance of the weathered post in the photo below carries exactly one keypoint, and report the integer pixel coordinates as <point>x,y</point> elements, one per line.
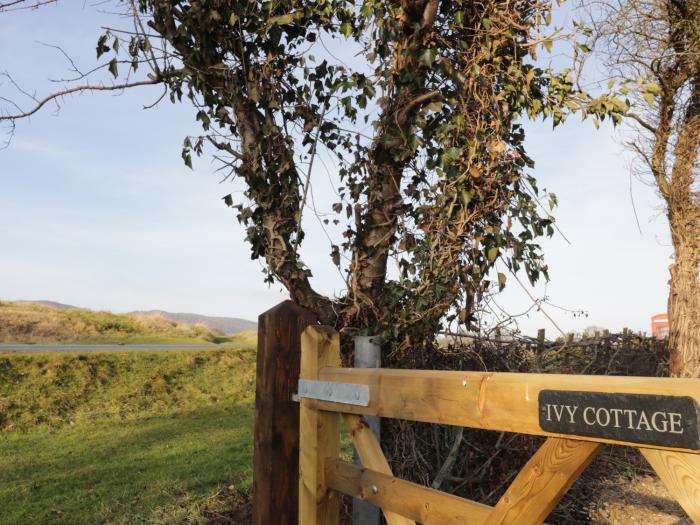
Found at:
<point>367,355</point>
<point>276,440</point>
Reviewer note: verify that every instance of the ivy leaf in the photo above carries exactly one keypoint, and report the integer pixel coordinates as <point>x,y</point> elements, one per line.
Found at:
<point>113,67</point>
<point>466,197</point>
<point>228,200</point>
<point>501,281</point>
<point>492,253</point>
<point>346,28</point>
<point>335,255</point>
<point>428,56</point>
<point>653,88</point>
<point>187,158</point>
<point>283,19</point>
<point>102,46</point>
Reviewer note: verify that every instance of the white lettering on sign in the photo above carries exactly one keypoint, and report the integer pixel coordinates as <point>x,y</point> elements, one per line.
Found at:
<point>676,423</point>
<point>671,421</point>
<point>663,422</point>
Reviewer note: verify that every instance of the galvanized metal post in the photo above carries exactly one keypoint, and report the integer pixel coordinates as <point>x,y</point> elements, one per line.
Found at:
<point>367,355</point>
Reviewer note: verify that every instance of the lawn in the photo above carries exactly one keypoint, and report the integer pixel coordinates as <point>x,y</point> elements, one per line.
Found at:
<point>124,437</point>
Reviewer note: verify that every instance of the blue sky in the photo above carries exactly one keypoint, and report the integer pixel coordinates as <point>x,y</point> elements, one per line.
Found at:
<point>97,209</point>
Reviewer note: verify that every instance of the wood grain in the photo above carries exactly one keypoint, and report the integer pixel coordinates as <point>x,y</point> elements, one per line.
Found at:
<point>681,475</point>
<point>319,433</point>
<point>276,442</point>
<point>543,481</point>
<point>421,504</point>
<point>372,457</point>
<point>495,401</point>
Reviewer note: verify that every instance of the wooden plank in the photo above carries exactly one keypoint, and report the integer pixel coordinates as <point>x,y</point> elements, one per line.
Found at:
<point>372,457</point>
<point>418,503</point>
<point>319,433</point>
<point>543,481</point>
<point>681,475</point>
<point>495,401</point>
<point>276,442</point>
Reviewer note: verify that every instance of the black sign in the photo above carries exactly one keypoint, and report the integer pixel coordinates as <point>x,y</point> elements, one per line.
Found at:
<point>668,421</point>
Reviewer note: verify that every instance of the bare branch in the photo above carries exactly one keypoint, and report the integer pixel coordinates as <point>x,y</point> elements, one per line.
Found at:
<point>227,148</point>
<point>78,89</point>
<point>16,5</point>
<point>641,122</point>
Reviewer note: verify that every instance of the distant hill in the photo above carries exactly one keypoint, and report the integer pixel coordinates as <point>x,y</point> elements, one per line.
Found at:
<point>32,322</point>
<point>52,322</point>
<point>226,325</point>
<point>52,304</point>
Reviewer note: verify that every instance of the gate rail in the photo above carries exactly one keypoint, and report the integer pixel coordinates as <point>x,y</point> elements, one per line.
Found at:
<point>659,416</point>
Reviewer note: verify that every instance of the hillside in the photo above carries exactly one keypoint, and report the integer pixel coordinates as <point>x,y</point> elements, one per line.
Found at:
<point>52,304</point>
<point>225,325</point>
<point>25,322</point>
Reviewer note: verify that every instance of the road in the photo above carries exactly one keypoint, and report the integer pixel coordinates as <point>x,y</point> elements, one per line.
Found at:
<point>80,348</point>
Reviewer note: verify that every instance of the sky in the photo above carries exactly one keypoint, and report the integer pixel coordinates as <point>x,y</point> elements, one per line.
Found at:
<point>97,209</point>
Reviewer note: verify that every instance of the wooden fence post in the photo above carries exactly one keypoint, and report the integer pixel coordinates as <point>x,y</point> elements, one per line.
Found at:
<point>320,432</point>
<point>276,440</point>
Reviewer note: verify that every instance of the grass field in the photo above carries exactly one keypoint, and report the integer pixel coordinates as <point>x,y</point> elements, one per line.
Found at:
<point>123,437</point>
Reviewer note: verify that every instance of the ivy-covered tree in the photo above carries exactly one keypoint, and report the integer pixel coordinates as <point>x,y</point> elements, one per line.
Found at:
<point>652,52</point>
<point>431,199</point>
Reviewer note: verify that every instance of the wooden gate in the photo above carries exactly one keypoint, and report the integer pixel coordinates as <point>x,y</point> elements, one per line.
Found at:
<point>578,414</point>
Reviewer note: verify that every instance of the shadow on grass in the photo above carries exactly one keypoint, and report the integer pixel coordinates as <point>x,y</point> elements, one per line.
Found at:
<point>120,472</point>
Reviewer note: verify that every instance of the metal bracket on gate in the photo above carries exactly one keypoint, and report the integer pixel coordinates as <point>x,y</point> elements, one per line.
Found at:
<point>348,393</point>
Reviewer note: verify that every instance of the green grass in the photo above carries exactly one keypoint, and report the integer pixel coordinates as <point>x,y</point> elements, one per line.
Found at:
<point>123,437</point>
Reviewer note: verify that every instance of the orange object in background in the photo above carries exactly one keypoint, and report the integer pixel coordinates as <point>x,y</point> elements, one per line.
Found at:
<point>660,326</point>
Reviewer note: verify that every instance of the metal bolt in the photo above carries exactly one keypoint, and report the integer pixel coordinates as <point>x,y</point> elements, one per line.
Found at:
<point>375,489</point>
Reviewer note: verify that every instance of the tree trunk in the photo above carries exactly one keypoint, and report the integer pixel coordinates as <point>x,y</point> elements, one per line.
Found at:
<point>684,221</point>
<point>684,306</point>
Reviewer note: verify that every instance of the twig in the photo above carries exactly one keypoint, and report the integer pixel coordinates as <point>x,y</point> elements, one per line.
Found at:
<point>450,460</point>
<point>308,176</point>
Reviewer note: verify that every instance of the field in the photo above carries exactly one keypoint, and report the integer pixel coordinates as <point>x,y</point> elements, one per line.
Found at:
<point>33,323</point>
<point>124,437</point>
